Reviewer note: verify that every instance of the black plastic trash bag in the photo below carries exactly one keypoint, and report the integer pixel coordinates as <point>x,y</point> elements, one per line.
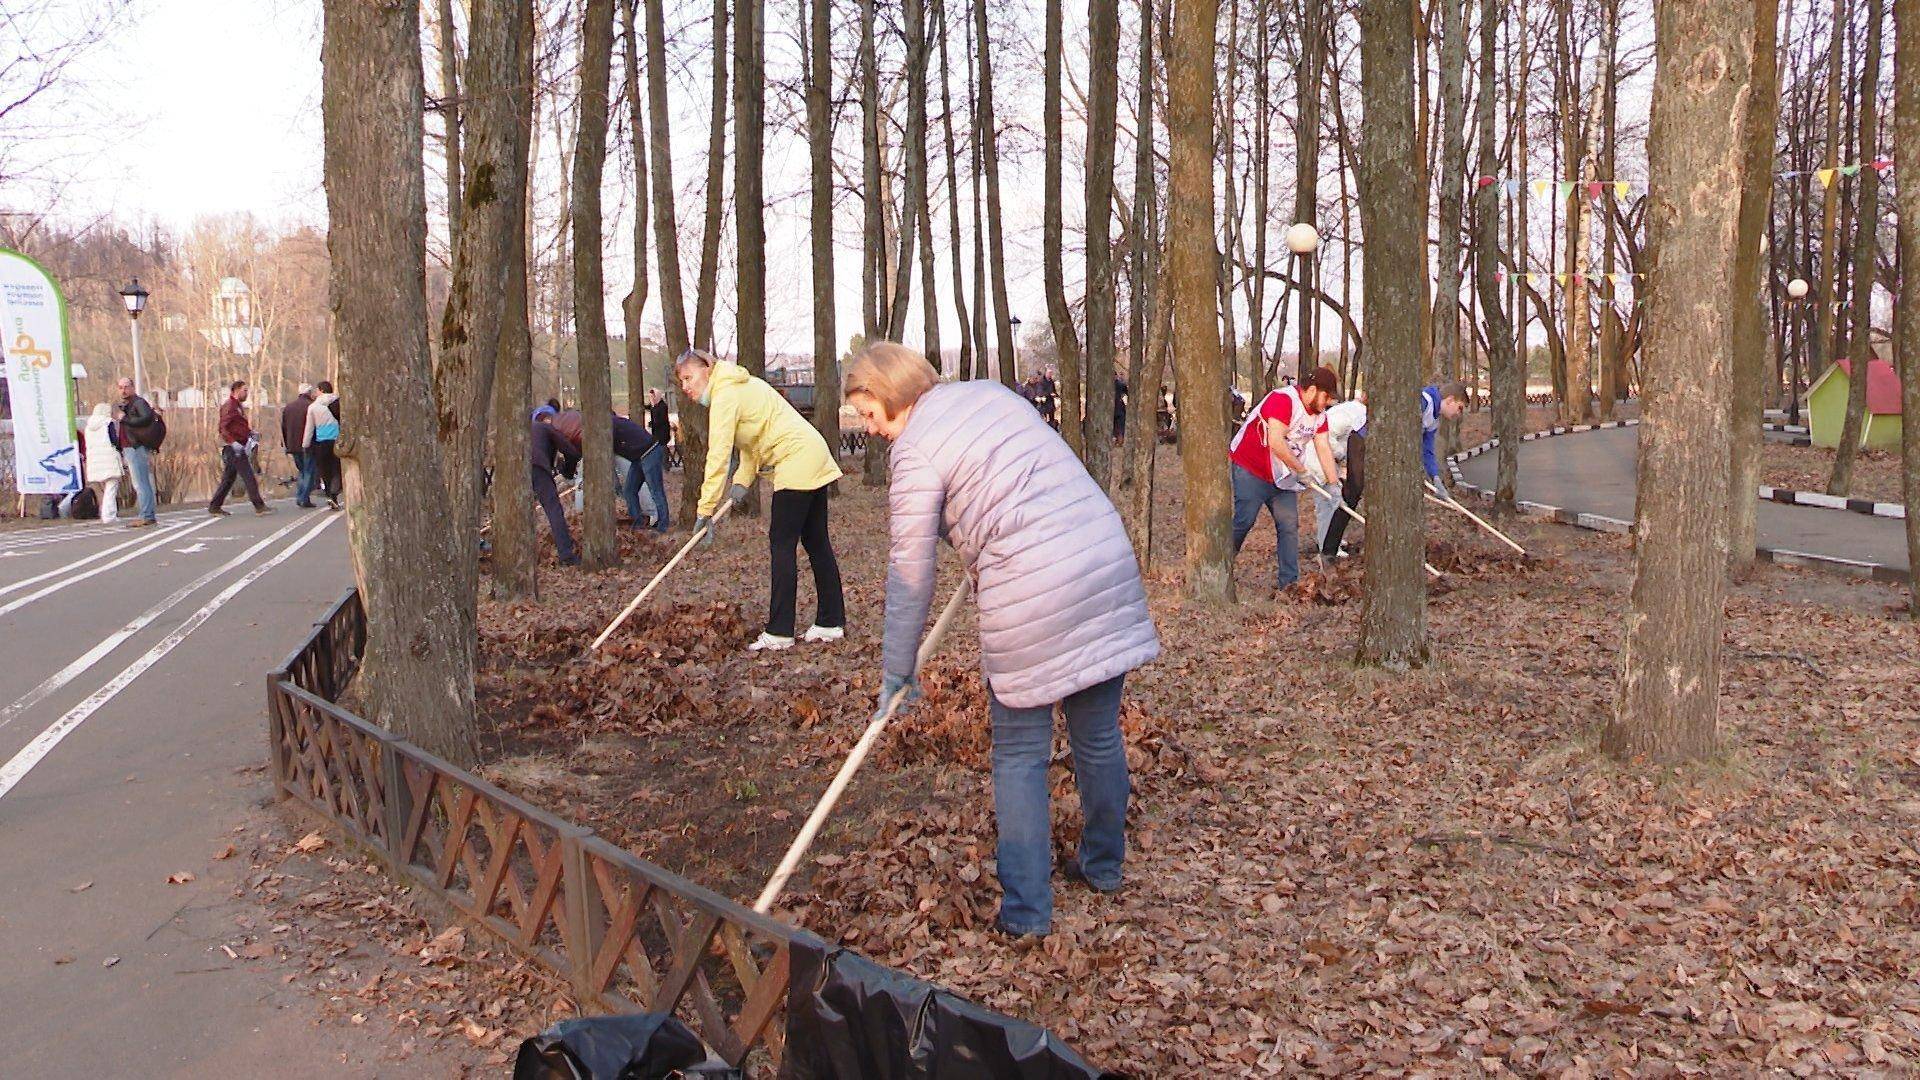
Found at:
<point>849,1018</point>
<point>649,1046</point>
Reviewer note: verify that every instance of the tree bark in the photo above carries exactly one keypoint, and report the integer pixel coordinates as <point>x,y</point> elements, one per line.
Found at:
<point>1610,328</point>
<point>636,301</point>
<point>1310,77</point>
<point>1906,311</point>
<point>1393,619</point>
<point>707,284</point>
<point>749,223</point>
<point>915,218</point>
<point>1192,278</point>
<point>1066,339</point>
<point>1666,705</point>
<point>1824,297</point>
<point>1453,170</point>
<point>470,327</point>
<point>1750,352</point>
<point>826,355</point>
<point>988,134</point>
<point>1865,251</point>
<point>515,554</point>
<point>874,237</point>
<point>953,200</point>
<point>448,42</point>
<point>976,167</point>
<point>1147,313</point>
<point>600,546</point>
<point>1505,372</point>
<point>1103,101</point>
<point>1262,189</point>
<point>417,674</point>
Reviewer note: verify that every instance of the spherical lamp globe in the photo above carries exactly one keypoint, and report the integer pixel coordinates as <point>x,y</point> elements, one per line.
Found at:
<point>1302,238</point>
<point>1797,288</point>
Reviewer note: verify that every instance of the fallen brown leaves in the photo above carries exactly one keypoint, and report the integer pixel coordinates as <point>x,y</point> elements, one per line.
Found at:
<point>1331,869</point>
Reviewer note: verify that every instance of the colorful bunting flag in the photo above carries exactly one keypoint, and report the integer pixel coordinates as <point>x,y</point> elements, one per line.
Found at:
<point>1882,164</point>
<point>1849,170</point>
<point>1541,187</point>
<point>1825,176</point>
<point>1621,188</point>
<point>1593,191</point>
<point>1513,189</point>
<point>1566,190</point>
<point>1485,181</point>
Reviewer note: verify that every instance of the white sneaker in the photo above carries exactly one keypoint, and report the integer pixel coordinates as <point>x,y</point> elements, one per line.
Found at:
<point>825,633</point>
<point>770,643</point>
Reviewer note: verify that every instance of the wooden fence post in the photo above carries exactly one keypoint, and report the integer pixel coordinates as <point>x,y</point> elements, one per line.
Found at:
<point>585,931</point>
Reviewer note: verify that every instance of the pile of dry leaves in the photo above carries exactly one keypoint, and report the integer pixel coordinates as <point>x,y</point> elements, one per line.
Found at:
<point>1331,868</point>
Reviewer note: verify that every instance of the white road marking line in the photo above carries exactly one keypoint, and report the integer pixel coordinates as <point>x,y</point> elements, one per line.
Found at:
<point>112,641</point>
<point>168,531</point>
<point>34,544</point>
<point>34,752</point>
<point>16,605</point>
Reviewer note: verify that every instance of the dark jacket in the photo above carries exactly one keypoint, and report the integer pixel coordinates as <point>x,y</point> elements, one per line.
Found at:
<point>293,423</point>
<point>545,445</point>
<point>630,440</point>
<point>570,427</point>
<point>233,422</point>
<point>138,425</point>
<point>659,425</point>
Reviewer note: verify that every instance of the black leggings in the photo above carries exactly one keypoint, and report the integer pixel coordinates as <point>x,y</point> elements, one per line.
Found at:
<point>1350,491</point>
<point>326,468</point>
<point>800,518</point>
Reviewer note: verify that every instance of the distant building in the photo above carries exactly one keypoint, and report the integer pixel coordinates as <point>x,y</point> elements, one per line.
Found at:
<point>235,322</point>
<point>1827,406</point>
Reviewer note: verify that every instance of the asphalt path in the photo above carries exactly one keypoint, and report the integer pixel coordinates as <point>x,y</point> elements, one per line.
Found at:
<point>132,740</point>
<point>1593,472</point>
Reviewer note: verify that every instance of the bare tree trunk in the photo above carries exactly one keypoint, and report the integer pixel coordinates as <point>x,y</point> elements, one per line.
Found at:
<point>1136,464</point>
<point>975,165</point>
<point>1610,328</point>
<point>666,246</point>
<point>1310,78</point>
<point>1262,186</point>
<point>448,43</point>
<point>515,554</point>
<point>1103,102</point>
<point>1750,352</point>
<point>470,329</point>
<point>750,231</point>
<point>1906,311</point>
<point>636,301</point>
<point>1066,339</point>
<point>1505,372</point>
<point>1865,252</point>
<point>826,356</point>
<point>707,285</point>
<point>915,217</point>
<point>1192,278</point>
<point>953,199</point>
<point>1667,702</point>
<point>1393,619</point>
<point>600,546</point>
<point>1453,178</point>
<point>417,675</point>
<point>873,265</point>
<point>1825,298</point>
<point>988,134</point>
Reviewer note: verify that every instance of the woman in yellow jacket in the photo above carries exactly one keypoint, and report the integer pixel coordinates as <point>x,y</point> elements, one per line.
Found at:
<point>751,418</point>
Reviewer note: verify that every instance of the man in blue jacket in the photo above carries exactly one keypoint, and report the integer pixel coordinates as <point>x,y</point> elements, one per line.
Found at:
<point>643,455</point>
<point>549,448</point>
<point>1443,402</point>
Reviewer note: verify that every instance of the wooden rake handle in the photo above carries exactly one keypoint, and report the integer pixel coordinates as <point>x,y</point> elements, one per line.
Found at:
<point>1453,503</point>
<point>698,535</point>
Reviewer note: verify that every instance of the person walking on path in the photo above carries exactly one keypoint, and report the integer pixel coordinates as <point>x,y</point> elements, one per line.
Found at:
<point>1063,612</point>
<point>549,449</point>
<point>1443,402</point>
<point>748,417</point>
<point>103,461</point>
<point>1268,469</point>
<point>236,442</point>
<point>321,434</point>
<point>643,456</point>
<point>140,433</point>
<point>1343,420</point>
<point>293,435</point>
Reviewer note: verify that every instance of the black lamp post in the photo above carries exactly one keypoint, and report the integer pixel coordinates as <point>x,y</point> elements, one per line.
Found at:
<point>135,297</point>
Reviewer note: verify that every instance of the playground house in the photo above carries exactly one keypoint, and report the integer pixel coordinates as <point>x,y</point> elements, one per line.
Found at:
<point>1827,406</point>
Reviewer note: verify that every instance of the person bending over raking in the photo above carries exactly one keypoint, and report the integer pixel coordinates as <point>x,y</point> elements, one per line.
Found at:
<point>1267,467</point>
<point>1443,402</point>
<point>750,417</point>
<point>1063,613</point>
<point>1345,422</point>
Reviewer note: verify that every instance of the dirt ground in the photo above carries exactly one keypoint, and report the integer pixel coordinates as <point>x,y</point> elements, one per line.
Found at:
<point>1331,869</point>
<point>1876,473</point>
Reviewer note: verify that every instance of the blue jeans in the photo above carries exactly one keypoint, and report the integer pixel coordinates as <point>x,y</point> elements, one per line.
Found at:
<point>1250,493</point>
<point>1022,746</point>
<point>140,467</point>
<point>648,469</point>
<point>303,460</point>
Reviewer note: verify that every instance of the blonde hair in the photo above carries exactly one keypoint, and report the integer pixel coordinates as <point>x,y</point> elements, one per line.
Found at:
<point>891,374</point>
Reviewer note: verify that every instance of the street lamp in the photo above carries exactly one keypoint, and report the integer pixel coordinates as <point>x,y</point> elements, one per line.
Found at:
<point>1303,240</point>
<point>1797,293</point>
<point>135,297</point>
<point>1014,321</point>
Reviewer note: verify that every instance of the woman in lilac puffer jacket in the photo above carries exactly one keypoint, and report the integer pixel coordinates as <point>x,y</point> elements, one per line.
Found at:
<point>1063,613</point>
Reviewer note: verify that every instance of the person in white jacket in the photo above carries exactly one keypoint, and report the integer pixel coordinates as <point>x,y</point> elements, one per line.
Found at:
<point>323,430</point>
<point>103,460</point>
<point>1342,421</point>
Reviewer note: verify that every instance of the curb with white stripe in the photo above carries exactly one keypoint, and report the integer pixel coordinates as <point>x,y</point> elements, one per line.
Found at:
<point>1598,523</point>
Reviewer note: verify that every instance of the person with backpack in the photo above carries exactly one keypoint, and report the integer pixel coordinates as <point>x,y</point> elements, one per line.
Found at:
<point>140,433</point>
<point>236,442</point>
<point>293,434</point>
<point>322,431</point>
<point>103,461</point>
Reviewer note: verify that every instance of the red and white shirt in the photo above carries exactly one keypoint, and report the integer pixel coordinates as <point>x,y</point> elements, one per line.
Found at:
<point>1249,448</point>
